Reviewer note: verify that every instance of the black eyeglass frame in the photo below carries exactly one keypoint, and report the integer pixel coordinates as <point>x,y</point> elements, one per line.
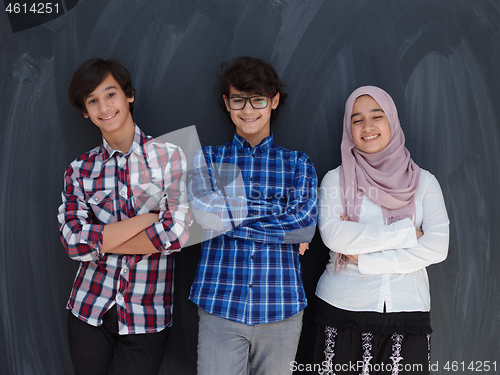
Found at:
<point>247,99</point>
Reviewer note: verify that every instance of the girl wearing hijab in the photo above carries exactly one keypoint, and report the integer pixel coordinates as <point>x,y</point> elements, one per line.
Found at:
<point>384,220</point>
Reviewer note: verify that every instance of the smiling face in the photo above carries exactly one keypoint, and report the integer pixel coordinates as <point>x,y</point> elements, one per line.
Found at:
<point>108,108</point>
<point>370,127</point>
<point>252,124</point>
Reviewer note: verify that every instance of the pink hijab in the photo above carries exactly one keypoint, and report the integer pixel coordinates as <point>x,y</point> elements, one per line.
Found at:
<point>389,177</point>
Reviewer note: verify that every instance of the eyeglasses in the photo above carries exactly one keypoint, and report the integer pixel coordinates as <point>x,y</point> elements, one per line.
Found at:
<point>256,101</point>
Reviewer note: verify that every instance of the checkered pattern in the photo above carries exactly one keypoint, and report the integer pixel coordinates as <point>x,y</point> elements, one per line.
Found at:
<point>249,270</point>
<point>104,186</point>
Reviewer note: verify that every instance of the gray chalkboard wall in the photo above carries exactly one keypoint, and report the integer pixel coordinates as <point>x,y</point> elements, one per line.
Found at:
<point>439,59</point>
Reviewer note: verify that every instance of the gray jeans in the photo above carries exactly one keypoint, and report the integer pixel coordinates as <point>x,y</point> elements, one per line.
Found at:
<point>231,348</point>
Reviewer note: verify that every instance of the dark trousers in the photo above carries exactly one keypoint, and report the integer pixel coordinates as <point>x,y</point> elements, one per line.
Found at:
<point>101,351</point>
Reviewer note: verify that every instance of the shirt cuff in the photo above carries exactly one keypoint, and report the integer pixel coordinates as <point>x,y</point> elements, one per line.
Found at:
<point>257,235</point>
<point>91,236</point>
<point>400,235</point>
<point>158,237</point>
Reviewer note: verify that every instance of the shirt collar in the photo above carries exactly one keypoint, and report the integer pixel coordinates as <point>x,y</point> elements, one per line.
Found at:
<point>139,140</point>
<point>241,142</point>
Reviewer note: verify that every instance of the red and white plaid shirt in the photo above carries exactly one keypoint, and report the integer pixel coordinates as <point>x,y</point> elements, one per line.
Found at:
<point>104,186</point>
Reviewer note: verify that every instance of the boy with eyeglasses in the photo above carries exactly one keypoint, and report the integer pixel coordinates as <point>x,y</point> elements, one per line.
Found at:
<point>124,211</point>
<point>258,202</point>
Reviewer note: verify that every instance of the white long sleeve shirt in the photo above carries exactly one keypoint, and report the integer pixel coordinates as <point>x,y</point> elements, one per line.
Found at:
<point>391,264</point>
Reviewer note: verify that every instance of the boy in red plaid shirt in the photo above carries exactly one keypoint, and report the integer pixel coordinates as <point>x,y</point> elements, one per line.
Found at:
<point>124,212</point>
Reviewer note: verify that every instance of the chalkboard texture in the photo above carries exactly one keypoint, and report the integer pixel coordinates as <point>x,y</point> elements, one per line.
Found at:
<point>439,59</point>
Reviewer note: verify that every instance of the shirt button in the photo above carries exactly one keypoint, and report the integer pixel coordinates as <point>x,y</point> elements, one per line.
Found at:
<point>251,178</point>
<point>253,155</point>
<point>125,270</point>
<point>250,286</point>
<point>96,199</point>
<point>120,297</point>
<point>251,257</point>
<point>122,193</point>
<point>122,165</point>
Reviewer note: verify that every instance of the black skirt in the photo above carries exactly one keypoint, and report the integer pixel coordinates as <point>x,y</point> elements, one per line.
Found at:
<point>351,343</point>
<point>386,323</point>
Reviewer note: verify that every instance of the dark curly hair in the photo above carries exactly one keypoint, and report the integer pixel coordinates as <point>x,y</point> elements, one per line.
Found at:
<point>253,76</point>
<point>90,74</point>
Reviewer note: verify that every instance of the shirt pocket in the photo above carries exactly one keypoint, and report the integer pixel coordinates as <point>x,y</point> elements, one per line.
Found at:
<point>146,197</point>
<point>102,204</point>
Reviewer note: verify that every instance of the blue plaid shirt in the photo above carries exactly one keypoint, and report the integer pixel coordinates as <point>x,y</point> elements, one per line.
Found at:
<point>249,269</point>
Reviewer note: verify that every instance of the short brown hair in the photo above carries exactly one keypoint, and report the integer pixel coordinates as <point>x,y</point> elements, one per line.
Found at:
<point>90,74</point>
<point>253,76</point>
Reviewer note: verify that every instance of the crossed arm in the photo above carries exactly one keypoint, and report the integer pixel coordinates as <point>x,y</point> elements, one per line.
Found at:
<point>401,247</point>
<point>129,236</point>
<point>354,258</point>
<point>259,219</point>
<point>85,239</point>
